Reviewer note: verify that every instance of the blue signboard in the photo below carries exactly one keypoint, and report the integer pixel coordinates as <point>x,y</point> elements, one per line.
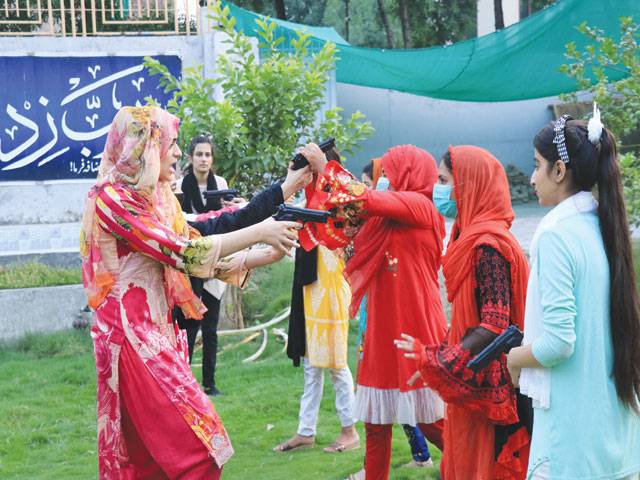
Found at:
<point>55,112</point>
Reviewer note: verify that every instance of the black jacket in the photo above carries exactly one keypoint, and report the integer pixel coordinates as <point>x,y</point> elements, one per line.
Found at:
<point>259,208</point>
<point>262,206</point>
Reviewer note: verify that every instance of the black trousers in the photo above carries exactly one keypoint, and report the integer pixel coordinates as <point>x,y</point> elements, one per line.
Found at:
<point>209,325</point>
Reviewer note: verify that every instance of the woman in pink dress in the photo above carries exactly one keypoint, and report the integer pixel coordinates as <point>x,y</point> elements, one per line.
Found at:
<point>154,421</point>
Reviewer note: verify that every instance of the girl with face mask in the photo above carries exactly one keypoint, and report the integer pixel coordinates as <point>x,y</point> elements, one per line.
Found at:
<point>421,456</point>
<point>485,436</point>
<point>398,244</point>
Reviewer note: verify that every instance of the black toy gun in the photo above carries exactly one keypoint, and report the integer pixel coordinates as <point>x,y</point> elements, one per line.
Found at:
<point>226,195</point>
<point>304,215</point>
<point>300,162</point>
<point>510,338</point>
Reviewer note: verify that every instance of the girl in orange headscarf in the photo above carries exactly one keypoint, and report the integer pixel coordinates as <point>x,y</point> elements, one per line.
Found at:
<point>488,424</point>
<point>397,257</point>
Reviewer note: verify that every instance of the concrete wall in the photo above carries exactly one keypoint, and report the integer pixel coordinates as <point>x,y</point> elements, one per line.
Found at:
<point>188,48</point>
<point>31,310</point>
<point>505,128</point>
<point>49,309</point>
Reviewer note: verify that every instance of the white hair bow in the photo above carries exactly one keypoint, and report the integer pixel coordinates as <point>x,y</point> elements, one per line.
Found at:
<point>594,127</point>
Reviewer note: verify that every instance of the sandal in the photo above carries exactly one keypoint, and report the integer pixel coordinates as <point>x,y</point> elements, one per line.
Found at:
<point>414,464</point>
<point>337,447</point>
<point>287,447</point>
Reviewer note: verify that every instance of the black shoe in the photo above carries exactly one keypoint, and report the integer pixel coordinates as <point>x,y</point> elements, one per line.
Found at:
<point>213,391</point>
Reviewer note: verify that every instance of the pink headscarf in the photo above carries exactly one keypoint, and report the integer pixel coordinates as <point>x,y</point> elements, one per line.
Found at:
<point>138,139</point>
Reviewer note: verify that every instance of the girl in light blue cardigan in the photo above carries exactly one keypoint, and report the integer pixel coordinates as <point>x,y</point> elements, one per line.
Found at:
<point>581,356</point>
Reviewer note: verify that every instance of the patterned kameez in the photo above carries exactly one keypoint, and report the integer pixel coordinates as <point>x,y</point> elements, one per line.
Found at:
<point>154,421</point>
<point>135,316</point>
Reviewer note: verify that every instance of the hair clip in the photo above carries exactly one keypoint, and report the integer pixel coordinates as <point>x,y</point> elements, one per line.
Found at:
<point>559,139</point>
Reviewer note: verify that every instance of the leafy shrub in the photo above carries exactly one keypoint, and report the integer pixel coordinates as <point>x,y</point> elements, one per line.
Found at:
<point>610,69</point>
<point>271,105</point>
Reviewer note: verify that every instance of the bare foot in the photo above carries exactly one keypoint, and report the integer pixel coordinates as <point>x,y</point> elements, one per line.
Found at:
<point>348,435</point>
<point>296,442</point>
<point>347,440</point>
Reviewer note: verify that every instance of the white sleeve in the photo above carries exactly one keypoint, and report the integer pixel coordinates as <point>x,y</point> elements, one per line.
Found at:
<point>221,183</point>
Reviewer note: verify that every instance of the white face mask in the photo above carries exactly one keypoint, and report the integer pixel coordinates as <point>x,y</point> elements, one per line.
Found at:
<point>383,184</point>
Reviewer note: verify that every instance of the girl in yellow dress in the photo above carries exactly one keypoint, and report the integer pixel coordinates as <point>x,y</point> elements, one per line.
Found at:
<point>318,334</point>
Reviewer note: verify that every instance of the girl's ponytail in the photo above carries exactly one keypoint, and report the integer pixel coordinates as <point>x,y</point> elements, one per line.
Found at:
<point>624,305</point>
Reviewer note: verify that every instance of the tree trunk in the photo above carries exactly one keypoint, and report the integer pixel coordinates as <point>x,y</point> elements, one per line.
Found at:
<point>385,23</point>
<point>404,21</point>
<point>499,14</point>
<point>322,7</point>
<point>233,308</point>
<point>281,13</point>
<point>346,19</point>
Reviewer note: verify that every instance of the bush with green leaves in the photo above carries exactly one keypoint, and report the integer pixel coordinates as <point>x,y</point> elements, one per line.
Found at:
<point>271,105</point>
<point>618,98</point>
<point>630,164</point>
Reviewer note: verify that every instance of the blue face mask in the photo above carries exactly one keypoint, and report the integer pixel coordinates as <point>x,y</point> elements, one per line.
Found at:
<point>383,184</point>
<point>442,200</point>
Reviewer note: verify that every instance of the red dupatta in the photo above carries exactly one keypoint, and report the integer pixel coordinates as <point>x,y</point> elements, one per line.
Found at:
<point>410,171</point>
<point>484,218</point>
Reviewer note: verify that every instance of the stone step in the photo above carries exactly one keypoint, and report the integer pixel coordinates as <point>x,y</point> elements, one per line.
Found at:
<point>39,239</point>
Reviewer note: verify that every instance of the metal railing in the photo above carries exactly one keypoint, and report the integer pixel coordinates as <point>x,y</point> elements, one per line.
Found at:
<point>99,17</point>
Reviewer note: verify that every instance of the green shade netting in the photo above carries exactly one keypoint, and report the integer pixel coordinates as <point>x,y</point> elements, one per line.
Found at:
<point>518,63</point>
<point>246,23</point>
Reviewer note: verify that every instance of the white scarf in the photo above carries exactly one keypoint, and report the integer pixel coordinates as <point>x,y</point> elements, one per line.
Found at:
<point>536,382</point>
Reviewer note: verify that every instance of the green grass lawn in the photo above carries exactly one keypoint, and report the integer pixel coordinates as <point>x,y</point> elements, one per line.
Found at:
<point>35,274</point>
<point>48,425</point>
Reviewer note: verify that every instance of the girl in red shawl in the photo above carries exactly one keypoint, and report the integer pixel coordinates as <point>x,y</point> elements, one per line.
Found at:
<point>397,257</point>
<point>488,425</point>
<point>154,421</point>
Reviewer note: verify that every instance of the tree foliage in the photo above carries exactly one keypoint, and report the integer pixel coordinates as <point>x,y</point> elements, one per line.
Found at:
<point>299,11</point>
<point>535,5</point>
<point>271,105</point>
<point>619,100</point>
<point>428,22</point>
